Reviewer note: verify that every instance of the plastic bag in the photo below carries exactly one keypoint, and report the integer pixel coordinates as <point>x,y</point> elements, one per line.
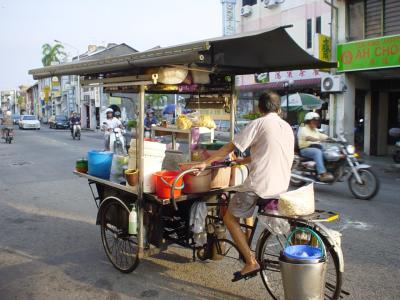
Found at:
<point>119,163</point>
<point>274,225</point>
<point>298,202</point>
<point>206,121</point>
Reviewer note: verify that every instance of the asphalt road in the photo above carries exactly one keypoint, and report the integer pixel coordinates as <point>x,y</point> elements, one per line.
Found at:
<point>51,249</point>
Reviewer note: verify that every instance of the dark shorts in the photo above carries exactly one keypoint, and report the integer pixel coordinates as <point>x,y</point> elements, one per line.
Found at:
<point>243,204</point>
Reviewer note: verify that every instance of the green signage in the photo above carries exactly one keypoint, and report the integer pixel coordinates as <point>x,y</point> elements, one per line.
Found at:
<point>369,54</point>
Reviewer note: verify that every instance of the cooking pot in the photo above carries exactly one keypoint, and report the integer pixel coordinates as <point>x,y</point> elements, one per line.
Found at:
<point>195,184</point>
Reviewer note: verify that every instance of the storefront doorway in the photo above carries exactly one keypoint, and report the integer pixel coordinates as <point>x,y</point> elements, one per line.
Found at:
<point>394,114</point>
<point>359,119</point>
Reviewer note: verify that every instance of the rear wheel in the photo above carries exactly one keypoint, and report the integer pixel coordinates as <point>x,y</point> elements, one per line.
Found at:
<point>121,248</point>
<point>369,187</point>
<point>396,157</point>
<point>268,251</point>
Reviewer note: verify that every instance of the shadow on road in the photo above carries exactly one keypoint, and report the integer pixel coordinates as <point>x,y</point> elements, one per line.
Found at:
<point>66,256</point>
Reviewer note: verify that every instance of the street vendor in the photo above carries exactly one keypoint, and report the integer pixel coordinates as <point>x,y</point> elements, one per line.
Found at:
<point>271,143</point>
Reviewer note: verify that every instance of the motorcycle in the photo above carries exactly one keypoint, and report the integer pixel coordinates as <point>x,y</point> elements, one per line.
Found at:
<point>117,141</point>
<point>8,134</point>
<point>395,132</point>
<point>76,130</point>
<point>341,160</point>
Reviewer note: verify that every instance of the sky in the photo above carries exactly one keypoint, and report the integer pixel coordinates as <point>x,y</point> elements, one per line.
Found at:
<point>25,25</point>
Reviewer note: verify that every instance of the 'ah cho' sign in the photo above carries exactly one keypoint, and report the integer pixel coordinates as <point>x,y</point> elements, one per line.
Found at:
<point>369,54</point>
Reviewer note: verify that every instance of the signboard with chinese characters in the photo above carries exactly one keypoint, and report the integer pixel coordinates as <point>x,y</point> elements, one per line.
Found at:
<point>324,47</point>
<point>46,93</point>
<point>228,16</point>
<point>295,75</point>
<point>55,87</point>
<point>375,53</point>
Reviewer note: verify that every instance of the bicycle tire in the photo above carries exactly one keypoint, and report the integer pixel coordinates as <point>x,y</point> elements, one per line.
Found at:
<point>333,289</point>
<point>113,217</point>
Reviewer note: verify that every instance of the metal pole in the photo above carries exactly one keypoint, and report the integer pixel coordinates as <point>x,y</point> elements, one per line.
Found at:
<point>140,166</point>
<point>233,110</point>
<point>287,100</point>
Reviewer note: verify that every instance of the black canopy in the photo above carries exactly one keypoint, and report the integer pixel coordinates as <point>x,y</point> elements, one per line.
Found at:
<point>247,53</point>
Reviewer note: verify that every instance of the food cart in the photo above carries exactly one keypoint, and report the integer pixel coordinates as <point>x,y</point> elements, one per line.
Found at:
<point>213,65</point>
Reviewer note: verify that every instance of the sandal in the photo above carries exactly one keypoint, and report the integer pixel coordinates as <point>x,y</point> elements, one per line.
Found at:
<point>239,276</point>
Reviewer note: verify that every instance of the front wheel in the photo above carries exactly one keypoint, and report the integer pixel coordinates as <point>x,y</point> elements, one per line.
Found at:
<point>121,248</point>
<point>369,186</point>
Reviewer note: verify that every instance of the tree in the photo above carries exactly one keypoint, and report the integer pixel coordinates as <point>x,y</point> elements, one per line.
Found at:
<point>52,54</point>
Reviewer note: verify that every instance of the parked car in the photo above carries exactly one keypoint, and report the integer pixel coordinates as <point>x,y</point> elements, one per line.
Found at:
<point>59,122</point>
<point>29,122</point>
<point>16,118</point>
<point>222,132</point>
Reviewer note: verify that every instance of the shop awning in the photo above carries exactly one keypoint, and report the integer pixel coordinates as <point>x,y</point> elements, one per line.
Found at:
<point>247,53</point>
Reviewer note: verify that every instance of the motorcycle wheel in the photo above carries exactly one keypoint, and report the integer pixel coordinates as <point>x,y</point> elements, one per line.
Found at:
<point>368,189</point>
<point>79,136</point>
<point>296,182</point>
<point>396,157</point>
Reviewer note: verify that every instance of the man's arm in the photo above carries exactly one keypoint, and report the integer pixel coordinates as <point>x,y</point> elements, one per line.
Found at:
<point>219,155</point>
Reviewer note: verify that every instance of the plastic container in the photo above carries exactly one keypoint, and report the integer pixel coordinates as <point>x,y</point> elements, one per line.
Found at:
<point>303,268</point>
<point>81,165</point>
<point>164,181</point>
<point>99,163</point>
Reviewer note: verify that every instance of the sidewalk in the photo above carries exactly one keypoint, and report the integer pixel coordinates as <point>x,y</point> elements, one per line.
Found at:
<point>382,163</point>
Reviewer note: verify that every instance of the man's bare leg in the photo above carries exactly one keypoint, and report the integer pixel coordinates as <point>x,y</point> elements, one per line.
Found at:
<point>241,242</point>
<point>249,222</point>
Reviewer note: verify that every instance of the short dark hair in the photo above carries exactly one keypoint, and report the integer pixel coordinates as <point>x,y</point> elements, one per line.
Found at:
<point>269,102</point>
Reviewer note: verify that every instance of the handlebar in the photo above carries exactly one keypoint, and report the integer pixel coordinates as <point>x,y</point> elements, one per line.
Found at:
<point>183,173</point>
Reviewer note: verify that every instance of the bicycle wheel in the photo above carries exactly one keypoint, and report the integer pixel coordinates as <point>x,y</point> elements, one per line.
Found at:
<point>231,259</point>
<point>120,247</point>
<point>268,251</point>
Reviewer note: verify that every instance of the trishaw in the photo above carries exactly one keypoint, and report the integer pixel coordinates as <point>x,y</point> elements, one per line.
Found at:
<point>162,222</point>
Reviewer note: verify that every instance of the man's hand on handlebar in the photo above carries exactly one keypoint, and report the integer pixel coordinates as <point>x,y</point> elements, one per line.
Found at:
<point>199,166</point>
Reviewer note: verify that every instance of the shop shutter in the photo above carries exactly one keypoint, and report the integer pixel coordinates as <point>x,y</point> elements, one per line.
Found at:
<point>392,17</point>
<point>373,20</point>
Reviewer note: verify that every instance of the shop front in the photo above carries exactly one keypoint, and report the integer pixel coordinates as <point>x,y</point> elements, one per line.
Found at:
<point>370,106</point>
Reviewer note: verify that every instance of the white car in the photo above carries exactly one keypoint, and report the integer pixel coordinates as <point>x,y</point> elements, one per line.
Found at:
<point>29,122</point>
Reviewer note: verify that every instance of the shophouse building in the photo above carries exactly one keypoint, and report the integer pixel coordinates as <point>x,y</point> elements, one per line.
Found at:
<point>368,53</point>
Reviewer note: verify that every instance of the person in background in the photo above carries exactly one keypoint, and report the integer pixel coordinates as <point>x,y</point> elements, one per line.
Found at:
<point>73,120</point>
<point>6,122</point>
<point>149,120</point>
<point>271,143</point>
<point>309,139</point>
<point>109,124</point>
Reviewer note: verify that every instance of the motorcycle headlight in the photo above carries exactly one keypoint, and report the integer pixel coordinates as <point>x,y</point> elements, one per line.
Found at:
<point>350,149</point>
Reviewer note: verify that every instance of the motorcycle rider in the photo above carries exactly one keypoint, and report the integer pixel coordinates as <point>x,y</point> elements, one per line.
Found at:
<point>73,120</point>
<point>6,123</point>
<point>309,139</point>
<point>109,125</point>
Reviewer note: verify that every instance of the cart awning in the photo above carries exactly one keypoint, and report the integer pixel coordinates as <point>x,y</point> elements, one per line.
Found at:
<point>247,53</point>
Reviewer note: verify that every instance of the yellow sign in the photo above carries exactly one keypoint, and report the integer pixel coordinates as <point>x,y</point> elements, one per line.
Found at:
<point>55,87</point>
<point>324,47</point>
<point>46,91</point>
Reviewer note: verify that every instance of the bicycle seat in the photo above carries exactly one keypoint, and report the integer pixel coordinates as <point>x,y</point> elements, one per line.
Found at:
<point>263,202</point>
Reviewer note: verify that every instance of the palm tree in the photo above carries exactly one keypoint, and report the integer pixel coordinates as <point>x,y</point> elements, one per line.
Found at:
<point>52,53</point>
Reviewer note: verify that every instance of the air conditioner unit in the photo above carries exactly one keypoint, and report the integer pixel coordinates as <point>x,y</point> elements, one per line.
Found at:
<point>245,11</point>
<point>272,3</point>
<point>332,84</point>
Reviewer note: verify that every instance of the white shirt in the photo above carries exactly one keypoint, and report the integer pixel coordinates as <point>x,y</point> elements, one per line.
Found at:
<point>112,123</point>
<point>271,143</point>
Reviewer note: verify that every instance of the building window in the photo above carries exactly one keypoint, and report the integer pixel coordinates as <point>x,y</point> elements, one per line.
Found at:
<point>373,18</point>
<point>309,33</point>
<point>318,25</point>
<point>356,20</point>
<point>249,2</point>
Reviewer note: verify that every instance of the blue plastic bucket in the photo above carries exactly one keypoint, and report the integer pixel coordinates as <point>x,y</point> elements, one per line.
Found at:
<point>99,163</point>
<point>303,252</point>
